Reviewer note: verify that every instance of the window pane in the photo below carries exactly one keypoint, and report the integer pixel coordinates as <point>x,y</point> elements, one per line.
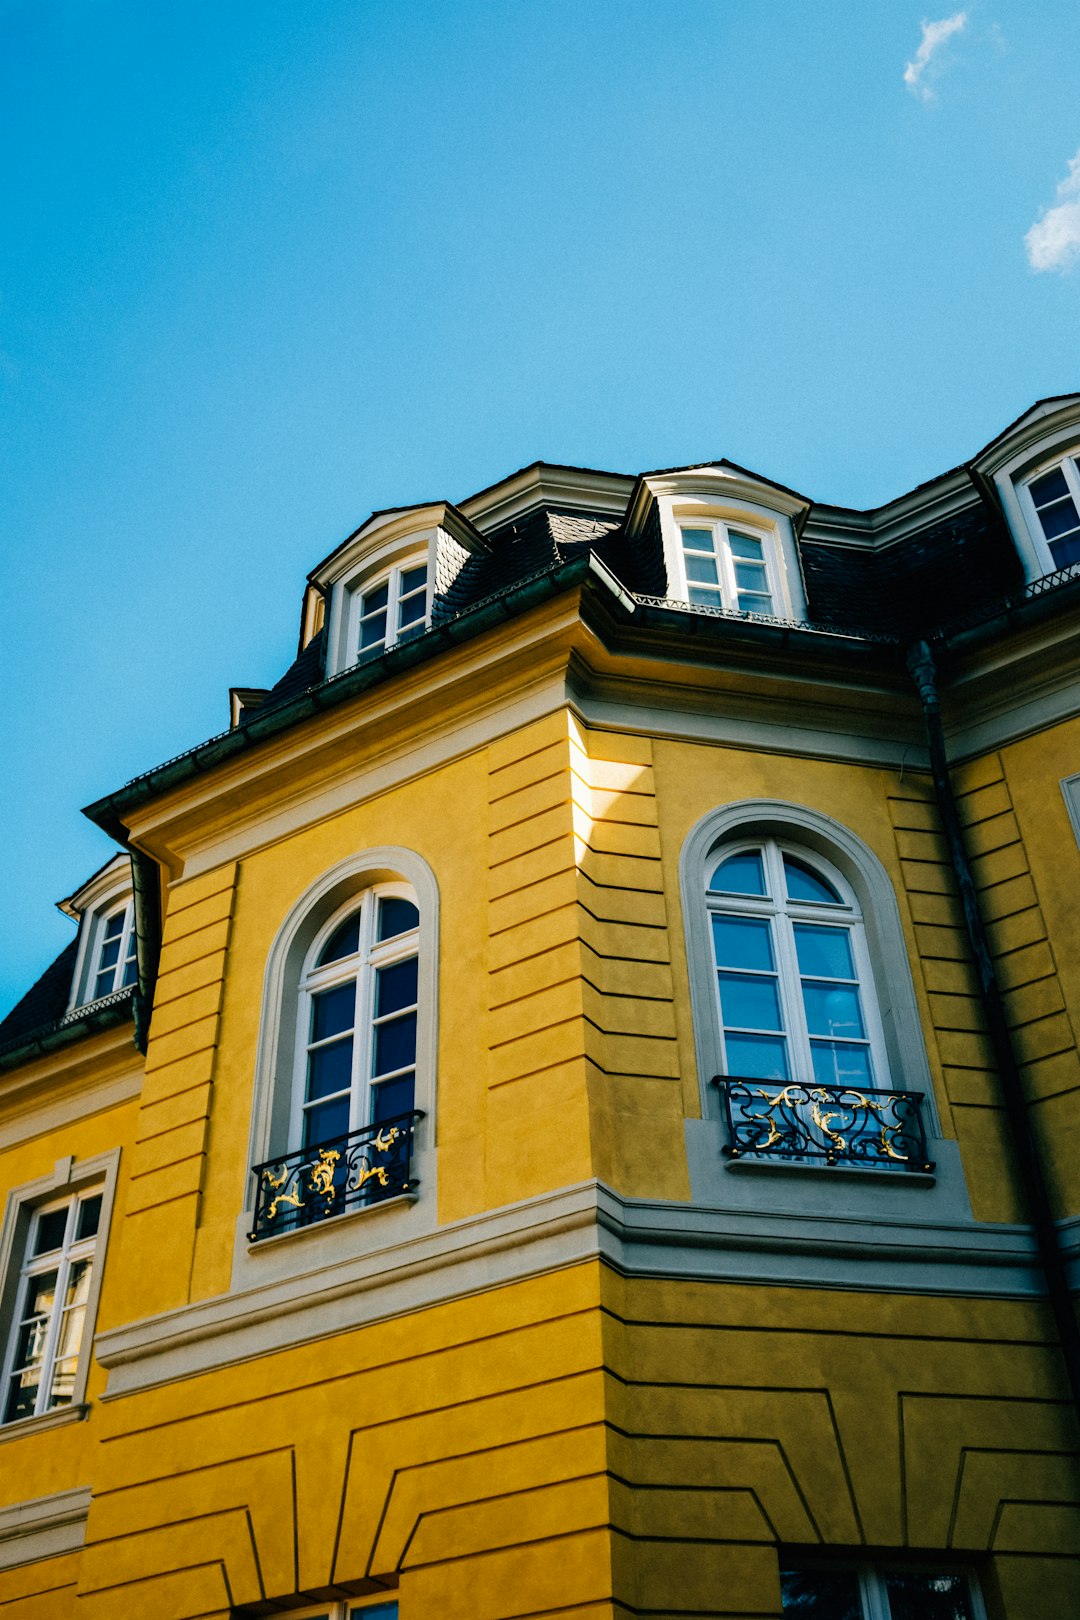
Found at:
<point>742,942</point>
<point>328,1120</point>
<point>396,987</point>
<point>30,1344</point>
<point>71,1332</point>
<point>1065,552</point>
<point>110,953</point>
<point>824,952</point>
<point>392,1098</point>
<point>344,941</point>
<point>115,926</point>
<point>821,1594</point>
<point>413,579</point>
<point>833,1009</point>
<point>373,631</point>
<point>1058,519</point>
<point>1049,486</point>
<point>396,917</point>
<point>742,545</point>
<point>751,577</point>
<point>78,1283</point>
<point>89,1218</point>
<point>413,609</point>
<point>803,884</point>
<point>131,972</point>
<point>62,1387</point>
<point>702,569</point>
<point>836,1064</point>
<point>332,1011</point>
<point>395,1045</point>
<point>702,596</point>
<point>375,1611</point>
<point>22,1396</point>
<point>330,1069</point>
<point>755,602</point>
<point>373,600</point>
<point>50,1231</point>
<point>104,982</point>
<point>750,1001</point>
<point>757,1057</point>
<point>739,874</point>
<point>928,1597</point>
<point>698,540</point>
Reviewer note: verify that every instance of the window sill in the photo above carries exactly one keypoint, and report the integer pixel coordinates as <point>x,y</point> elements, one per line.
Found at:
<point>744,1165</point>
<point>18,1427</point>
<point>332,1223</point>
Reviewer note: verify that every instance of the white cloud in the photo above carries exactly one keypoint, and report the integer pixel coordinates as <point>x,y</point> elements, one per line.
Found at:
<point>1053,242</point>
<point>934,36</point>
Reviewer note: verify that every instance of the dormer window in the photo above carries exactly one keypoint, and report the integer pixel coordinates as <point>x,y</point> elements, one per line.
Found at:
<point>115,963</point>
<point>1055,499</point>
<point>392,609</point>
<point>725,567</point>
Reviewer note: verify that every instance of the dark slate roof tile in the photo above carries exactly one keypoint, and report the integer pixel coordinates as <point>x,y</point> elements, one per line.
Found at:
<point>45,1003</point>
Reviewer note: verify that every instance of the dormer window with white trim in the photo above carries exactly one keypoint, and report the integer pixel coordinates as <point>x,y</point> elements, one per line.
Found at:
<point>728,539</point>
<point>1054,495</point>
<point>106,961</point>
<point>116,964</point>
<point>726,567</point>
<point>381,586</point>
<point>391,609</point>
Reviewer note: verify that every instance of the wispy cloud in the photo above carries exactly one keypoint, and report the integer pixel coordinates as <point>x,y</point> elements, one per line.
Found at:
<point>1053,242</point>
<point>923,67</point>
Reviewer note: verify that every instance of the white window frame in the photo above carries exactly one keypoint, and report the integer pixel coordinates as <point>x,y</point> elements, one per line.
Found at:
<point>275,1089</point>
<point>69,1180</point>
<point>1065,460</point>
<point>99,925</point>
<point>827,841</point>
<point>722,530</point>
<point>361,968</point>
<point>392,578</point>
<point>782,913</point>
<point>871,1576</point>
<point>106,893</point>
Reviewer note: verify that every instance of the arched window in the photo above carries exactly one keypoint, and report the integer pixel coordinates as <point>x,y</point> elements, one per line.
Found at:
<point>357,1019</point>
<point>804,1008</point>
<point>794,985</point>
<point>345,1070</point>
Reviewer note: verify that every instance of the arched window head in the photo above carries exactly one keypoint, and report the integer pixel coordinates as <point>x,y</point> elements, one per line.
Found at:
<point>798,963</point>
<point>794,987</point>
<point>357,1020</point>
<point>344,1100</point>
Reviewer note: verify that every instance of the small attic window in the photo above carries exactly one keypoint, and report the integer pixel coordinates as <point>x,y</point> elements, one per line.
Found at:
<point>727,567</point>
<point>393,607</point>
<point>1054,498</point>
<point>106,959</point>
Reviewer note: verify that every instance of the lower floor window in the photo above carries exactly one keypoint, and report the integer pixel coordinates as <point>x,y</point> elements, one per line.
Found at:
<point>865,1592</point>
<point>50,1306</point>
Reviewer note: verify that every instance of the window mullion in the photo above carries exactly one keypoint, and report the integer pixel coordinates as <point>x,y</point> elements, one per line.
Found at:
<point>725,565</point>
<point>364,1034</point>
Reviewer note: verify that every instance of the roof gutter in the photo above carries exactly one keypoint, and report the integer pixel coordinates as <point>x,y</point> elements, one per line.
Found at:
<point>1028,1159</point>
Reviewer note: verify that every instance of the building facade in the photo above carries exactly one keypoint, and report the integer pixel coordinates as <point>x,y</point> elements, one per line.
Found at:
<point>571,1105</point>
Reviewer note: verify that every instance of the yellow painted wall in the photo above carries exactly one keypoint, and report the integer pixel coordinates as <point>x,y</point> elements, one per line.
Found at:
<point>581,1443</point>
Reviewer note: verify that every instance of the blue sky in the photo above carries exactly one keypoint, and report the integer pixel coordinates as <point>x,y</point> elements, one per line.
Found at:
<point>266,265</point>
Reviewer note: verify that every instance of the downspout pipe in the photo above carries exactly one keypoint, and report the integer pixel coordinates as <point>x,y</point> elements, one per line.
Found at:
<point>146,887</point>
<point>923,669</point>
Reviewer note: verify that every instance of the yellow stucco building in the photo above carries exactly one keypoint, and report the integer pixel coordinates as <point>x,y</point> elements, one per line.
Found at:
<point>600,1133</point>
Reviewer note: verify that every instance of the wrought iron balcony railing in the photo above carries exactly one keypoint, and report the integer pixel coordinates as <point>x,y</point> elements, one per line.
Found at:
<point>347,1172</point>
<point>773,1119</point>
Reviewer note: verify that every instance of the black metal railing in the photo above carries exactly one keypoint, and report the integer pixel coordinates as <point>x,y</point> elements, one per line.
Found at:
<point>347,1172</point>
<point>775,1119</point>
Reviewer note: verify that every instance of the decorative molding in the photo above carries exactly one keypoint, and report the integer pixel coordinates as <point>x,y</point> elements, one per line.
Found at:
<point>43,1527</point>
<point>877,1237</point>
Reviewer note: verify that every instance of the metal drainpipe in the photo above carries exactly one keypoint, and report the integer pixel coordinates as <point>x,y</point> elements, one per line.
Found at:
<point>923,669</point>
<point>146,886</point>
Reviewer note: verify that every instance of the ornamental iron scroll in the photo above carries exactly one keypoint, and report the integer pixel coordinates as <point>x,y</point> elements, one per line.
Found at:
<point>879,1130</point>
<point>348,1172</point>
